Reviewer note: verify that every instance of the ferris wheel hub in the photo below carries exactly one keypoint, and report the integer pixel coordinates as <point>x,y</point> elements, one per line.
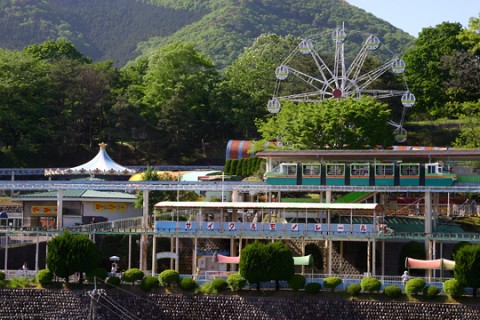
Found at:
<point>337,93</point>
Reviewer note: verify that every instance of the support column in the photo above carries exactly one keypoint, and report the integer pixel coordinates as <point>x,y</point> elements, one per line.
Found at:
<point>129,251</point>
<point>59,209</point>
<point>330,255</point>
<point>5,261</point>
<point>177,252</point>
<point>428,229</point>
<point>143,236</point>
<point>368,257</point>
<point>383,259</point>
<point>328,196</point>
<point>37,250</point>
<point>194,259</point>
<point>374,257</point>
<point>232,253</point>
<point>154,255</point>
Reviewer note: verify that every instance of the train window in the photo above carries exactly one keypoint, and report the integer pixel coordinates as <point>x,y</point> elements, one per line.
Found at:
<point>311,170</point>
<point>409,169</point>
<point>290,169</point>
<point>384,170</point>
<point>362,169</point>
<point>335,169</point>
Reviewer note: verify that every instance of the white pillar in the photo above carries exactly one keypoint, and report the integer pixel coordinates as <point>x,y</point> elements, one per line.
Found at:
<point>154,255</point>
<point>59,209</point>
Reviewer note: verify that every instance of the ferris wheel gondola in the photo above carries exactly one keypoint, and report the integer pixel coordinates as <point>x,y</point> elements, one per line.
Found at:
<point>309,78</point>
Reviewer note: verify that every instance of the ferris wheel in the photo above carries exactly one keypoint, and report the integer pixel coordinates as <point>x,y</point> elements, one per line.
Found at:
<point>305,77</point>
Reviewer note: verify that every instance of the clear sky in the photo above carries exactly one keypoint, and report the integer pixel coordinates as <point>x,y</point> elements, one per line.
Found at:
<point>413,15</point>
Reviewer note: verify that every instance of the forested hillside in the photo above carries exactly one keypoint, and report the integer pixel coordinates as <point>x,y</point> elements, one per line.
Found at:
<point>120,30</point>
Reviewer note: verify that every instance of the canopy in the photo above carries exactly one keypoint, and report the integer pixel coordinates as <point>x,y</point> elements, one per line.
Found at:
<point>298,261</point>
<point>100,164</point>
<point>437,264</point>
<point>220,258</point>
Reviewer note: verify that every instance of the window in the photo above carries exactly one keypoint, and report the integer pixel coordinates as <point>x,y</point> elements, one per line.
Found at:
<point>362,169</point>
<point>311,170</point>
<point>335,169</point>
<point>290,169</point>
<point>409,169</point>
<point>384,170</point>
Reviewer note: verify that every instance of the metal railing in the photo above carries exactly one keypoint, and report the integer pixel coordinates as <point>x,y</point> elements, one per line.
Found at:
<point>122,224</point>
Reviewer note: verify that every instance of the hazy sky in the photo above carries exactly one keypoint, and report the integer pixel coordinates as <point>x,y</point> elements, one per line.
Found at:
<point>413,15</point>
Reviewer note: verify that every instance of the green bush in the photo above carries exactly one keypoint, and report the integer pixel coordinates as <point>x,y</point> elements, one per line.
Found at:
<point>431,291</point>
<point>236,282</point>
<point>354,289</point>
<point>168,278</point>
<point>219,284</point>
<point>113,281</point>
<point>452,288</point>
<point>370,284</point>
<point>44,277</point>
<point>188,284</point>
<point>208,288</point>
<point>2,276</point>
<point>414,286</point>
<point>99,273</point>
<point>313,288</point>
<point>132,275</point>
<point>296,282</point>
<point>149,283</point>
<point>21,282</point>
<point>331,283</point>
<point>392,292</point>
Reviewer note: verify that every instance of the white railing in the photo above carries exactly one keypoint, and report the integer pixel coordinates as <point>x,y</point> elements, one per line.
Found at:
<point>123,224</point>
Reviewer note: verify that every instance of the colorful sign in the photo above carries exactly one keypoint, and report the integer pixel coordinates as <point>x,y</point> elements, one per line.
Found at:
<point>50,210</point>
<point>110,206</point>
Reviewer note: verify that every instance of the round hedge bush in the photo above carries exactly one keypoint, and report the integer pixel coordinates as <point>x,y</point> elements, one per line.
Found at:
<point>113,281</point>
<point>99,273</point>
<point>149,283</point>
<point>236,282</point>
<point>414,286</point>
<point>452,288</point>
<point>331,283</point>
<point>219,284</point>
<point>169,278</point>
<point>188,284</point>
<point>44,277</point>
<point>313,288</point>
<point>132,275</point>
<point>371,284</point>
<point>431,291</point>
<point>296,282</point>
<point>2,276</point>
<point>392,292</point>
<point>354,289</point>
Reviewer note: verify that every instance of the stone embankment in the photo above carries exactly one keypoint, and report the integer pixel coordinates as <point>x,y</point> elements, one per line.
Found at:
<point>64,304</point>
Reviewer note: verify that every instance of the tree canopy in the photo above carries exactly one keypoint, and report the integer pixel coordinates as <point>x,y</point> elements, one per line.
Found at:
<point>467,264</point>
<point>344,123</point>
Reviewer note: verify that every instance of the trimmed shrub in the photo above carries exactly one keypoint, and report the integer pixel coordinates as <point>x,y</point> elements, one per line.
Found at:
<point>452,288</point>
<point>169,278</point>
<point>188,284</point>
<point>371,284</point>
<point>296,282</point>
<point>132,275</point>
<point>2,276</point>
<point>414,286</point>
<point>219,284</point>
<point>44,277</point>
<point>431,291</point>
<point>99,273</point>
<point>208,288</point>
<point>313,288</point>
<point>236,282</point>
<point>354,289</point>
<point>149,283</point>
<point>331,283</point>
<point>392,292</point>
<point>113,281</point>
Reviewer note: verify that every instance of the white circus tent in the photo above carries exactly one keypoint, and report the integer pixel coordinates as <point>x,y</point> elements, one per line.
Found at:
<point>101,164</point>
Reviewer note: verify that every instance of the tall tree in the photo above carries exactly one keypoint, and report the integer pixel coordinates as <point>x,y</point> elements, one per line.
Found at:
<point>280,261</point>
<point>68,254</point>
<point>177,88</point>
<point>425,74</point>
<point>467,264</point>
<point>253,263</point>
